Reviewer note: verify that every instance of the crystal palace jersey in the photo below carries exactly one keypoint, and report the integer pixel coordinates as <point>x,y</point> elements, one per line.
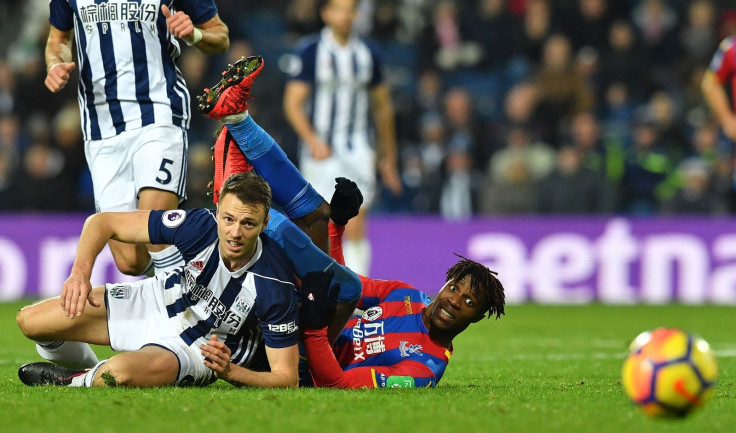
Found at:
<point>258,301</point>
<point>387,346</point>
<point>723,65</point>
<point>341,77</point>
<point>126,60</point>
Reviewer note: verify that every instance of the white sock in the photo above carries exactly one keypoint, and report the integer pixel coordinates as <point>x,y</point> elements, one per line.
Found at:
<point>167,259</point>
<point>86,379</point>
<point>232,119</point>
<point>357,255</point>
<point>69,354</point>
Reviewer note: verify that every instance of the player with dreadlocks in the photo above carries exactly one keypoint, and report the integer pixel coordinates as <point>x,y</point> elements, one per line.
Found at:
<point>401,339</point>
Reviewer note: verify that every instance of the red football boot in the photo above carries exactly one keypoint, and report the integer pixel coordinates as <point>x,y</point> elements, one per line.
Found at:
<point>228,159</point>
<point>231,94</point>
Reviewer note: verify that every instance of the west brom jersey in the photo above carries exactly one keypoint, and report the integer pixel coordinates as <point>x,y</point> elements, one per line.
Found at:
<point>126,60</point>
<point>387,346</point>
<point>341,78</point>
<point>723,65</point>
<point>204,298</point>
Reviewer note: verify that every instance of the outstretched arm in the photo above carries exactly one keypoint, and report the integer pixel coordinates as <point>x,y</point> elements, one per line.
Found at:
<point>295,93</point>
<point>128,227</point>
<point>326,371</point>
<point>383,113</point>
<point>717,99</point>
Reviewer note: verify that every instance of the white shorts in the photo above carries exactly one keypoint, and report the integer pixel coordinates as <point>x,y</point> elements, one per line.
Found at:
<point>136,317</point>
<point>358,166</point>
<point>154,156</point>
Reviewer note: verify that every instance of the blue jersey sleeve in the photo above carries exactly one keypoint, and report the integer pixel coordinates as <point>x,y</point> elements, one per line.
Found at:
<point>61,15</point>
<point>190,231</point>
<point>377,56</point>
<point>276,296</point>
<point>200,11</point>
<point>306,59</point>
<point>277,310</point>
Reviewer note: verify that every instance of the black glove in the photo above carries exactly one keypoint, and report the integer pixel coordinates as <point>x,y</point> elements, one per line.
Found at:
<point>346,201</point>
<point>318,300</point>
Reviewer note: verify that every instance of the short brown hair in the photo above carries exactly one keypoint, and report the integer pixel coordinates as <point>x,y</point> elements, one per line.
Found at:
<point>249,188</point>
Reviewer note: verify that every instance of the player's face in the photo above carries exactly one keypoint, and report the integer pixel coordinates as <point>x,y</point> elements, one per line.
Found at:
<point>339,16</point>
<point>238,227</point>
<point>455,307</point>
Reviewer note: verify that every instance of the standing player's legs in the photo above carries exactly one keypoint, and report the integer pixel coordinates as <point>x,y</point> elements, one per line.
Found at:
<point>144,168</point>
<point>356,247</point>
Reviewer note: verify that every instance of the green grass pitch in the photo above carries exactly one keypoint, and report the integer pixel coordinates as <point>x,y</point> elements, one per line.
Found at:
<point>538,369</point>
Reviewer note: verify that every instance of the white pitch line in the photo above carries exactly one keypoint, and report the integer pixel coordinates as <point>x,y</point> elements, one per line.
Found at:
<point>730,353</point>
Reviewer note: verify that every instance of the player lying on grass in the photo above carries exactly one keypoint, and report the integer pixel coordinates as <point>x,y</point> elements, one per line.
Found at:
<point>305,256</point>
<point>236,284</point>
<point>401,339</point>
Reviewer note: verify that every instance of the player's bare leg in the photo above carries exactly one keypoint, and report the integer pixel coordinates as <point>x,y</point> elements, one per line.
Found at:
<point>46,321</point>
<point>356,248</point>
<point>146,367</point>
<point>315,226</point>
<point>134,259</point>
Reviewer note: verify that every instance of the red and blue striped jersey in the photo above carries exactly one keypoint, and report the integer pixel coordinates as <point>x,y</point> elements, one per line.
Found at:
<point>387,346</point>
<point>723,64</point>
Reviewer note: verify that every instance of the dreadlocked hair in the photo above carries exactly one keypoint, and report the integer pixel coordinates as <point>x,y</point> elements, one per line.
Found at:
<point>483,280</point>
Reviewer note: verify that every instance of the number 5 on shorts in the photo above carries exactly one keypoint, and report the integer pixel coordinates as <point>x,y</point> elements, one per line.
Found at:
<point>165,171</point>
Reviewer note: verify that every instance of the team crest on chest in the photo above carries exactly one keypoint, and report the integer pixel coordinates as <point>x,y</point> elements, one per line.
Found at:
<point>242,305</point>
<point>407,349</point>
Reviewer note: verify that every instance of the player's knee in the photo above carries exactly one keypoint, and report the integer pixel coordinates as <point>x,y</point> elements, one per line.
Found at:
<point>114,374</point>
<point>125,371</point>
<point>320,216</point>
<point>27,320</point>
<point>316,220</point>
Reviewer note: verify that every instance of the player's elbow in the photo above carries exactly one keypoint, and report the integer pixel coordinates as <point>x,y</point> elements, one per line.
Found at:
<point>289,380</point>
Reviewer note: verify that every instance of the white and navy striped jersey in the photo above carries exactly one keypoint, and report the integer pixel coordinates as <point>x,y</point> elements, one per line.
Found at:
<point>128,77</point>
<point>341,78</point>
<point>258,301</point>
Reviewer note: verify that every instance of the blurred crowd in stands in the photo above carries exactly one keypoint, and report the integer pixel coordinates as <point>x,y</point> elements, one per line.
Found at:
<point>503,107</point>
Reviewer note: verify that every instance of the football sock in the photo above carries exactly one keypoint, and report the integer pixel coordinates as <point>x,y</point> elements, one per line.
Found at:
<point>357,255</point>
<point>306,257</point>
<point>69,354</point>
<point>87,379</point>
<point>290,190</point>
<point>234,118</point>
<point>167,259</point>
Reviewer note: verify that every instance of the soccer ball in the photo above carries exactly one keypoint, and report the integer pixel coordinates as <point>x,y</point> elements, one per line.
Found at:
<point>669,372</point>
